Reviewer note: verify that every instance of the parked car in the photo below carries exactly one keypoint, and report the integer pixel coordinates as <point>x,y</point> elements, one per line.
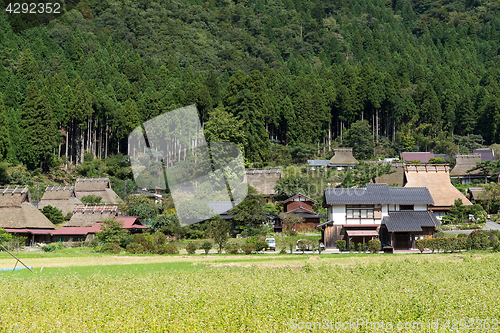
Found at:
<point>307,246</point>
<point>271,244</point>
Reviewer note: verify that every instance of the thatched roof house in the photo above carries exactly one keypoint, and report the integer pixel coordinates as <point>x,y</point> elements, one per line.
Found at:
<point>87,216</point>
<point>18,212</point>
<point>342,158</point>
<point>436,177</point>
<point>61,197</point>
<point>19,215</point>
<point>263,180</point>
<point>465,163</point>
<point>100,187</point>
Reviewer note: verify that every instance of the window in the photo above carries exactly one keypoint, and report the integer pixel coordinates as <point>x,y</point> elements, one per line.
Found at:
<point>356,212</point>
<point>405,207</point>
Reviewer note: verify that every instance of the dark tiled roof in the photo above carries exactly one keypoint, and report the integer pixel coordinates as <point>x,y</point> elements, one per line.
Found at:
<point>409,221</point>
<point>487,154</point>
<point>378,194</point>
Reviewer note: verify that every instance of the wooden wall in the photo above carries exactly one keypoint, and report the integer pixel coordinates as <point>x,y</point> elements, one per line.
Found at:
<point>331,234</point>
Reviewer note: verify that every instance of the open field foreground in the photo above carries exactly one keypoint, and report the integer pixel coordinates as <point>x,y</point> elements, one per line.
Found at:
<point>253,294</point>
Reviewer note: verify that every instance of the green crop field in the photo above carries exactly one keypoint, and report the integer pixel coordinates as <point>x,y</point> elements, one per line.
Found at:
<point>255,294</point>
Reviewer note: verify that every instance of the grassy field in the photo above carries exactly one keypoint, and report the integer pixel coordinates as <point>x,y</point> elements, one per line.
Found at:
<point>256,293</point>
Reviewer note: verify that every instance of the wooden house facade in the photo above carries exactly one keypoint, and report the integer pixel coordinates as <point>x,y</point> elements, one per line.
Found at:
<point>301,205</point>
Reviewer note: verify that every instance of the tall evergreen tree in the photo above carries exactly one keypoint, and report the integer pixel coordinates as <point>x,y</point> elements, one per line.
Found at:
<point>39,130</point>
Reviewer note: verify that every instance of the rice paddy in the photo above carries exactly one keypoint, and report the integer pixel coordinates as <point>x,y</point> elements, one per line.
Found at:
<point>253,294</point>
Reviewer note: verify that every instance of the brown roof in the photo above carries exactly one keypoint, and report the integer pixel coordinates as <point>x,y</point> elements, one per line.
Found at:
<point>263,180</point>
<point>436,178</point>
<point>92,184</point>
<point>86,216</point>
<point>464,163</point>
<point>61,197</point>
<point>343,156</point>
<point>17,211</point>
<point>100,187</point>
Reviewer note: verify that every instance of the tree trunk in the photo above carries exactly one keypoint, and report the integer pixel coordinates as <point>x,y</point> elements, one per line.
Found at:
<point>107,130</point>
<point>67,142</point>
<point>82,145</point>
<point>376,112</point>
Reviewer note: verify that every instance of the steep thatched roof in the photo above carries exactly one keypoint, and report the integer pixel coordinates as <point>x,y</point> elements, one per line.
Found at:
<point>61,197</point>
<point>342,157</point>
<point>100,187</point>
<point>92,184</point>
<point>263,180</point>
<point>464,163</point>
<point>17,211</point>
<point>436,177</point>
<point>86,216</point>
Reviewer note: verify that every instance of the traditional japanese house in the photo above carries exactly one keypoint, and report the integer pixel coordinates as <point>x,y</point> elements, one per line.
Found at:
<point>358,215</point>
<point>18,215</point>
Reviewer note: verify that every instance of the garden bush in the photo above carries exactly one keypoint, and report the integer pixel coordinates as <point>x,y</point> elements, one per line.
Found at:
<point>111,248</point>
<point>135,248</point>
<point>374,245</point>
<point>191,248</point>
<point>340,244</point>
<point>49,248</point>
<point>169,248</point>
<point>207,246</point>
<point>248,248</point>
<point>232,247</point>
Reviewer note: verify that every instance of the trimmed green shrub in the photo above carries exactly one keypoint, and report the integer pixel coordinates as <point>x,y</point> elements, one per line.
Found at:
<point>248,248</point>
<point>374,245</point>
<point>283,250</point>
<point>352,247</point>
<point>135,248</point>
<point>340,244</point>
<point>207,246</point>
<point>191,248</point>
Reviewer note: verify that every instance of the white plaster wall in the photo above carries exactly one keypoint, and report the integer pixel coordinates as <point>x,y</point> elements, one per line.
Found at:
<point>338,214</point>
<point>385,210</point>
<point>420,207</point>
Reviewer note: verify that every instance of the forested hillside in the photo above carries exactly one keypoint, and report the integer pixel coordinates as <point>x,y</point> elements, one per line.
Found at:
<point>422,73</point>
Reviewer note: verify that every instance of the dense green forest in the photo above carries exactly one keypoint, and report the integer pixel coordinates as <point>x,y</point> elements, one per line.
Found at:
<point>422,74</point>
